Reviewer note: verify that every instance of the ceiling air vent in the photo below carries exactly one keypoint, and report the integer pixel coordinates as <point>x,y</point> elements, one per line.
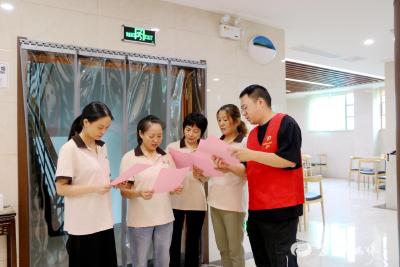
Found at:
<point>314,51</point>
<point>353,59</point>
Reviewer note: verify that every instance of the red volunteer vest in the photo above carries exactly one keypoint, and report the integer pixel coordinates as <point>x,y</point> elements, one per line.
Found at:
<point>269,187</point>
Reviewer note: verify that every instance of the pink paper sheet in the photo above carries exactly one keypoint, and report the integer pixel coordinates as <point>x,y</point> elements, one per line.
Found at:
<point>129,173</point>
<point>168,179</point>
<point>203,161</point>
<point>199,159</point>
<point>215,146</point>
<point>181,159</point>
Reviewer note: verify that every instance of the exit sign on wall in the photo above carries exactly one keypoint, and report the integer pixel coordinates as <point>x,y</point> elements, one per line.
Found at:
<point>141,35</point>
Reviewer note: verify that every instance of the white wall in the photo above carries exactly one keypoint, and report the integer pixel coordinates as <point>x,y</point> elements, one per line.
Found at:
<point>390,135</point>
<point>386,138</point>
<point>185,33</point>
<point>363,123</point>
<point>340,145</point>
<point>390,132</point>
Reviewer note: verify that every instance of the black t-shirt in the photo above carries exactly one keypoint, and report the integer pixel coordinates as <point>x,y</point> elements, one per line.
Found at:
<point>289,148</point>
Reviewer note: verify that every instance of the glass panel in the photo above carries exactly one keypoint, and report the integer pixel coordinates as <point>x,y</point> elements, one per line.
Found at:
<point>317,114</point>
<point>383,108</point>
<point>327,113</point>
<point>336,113</point>
<point>350,111</point>
<point>49,92</point>
<point>350,123</point>
<point>102,79</point>
<point>383,122</point>
<point>187,95</point>
<point>350,99</point>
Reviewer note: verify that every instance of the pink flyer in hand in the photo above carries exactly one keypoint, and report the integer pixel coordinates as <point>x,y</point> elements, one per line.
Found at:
<point>182,160</point>
<point>168,179</point>
<point>215,146</point>
<point>129,173</point>
<point>203,161</point>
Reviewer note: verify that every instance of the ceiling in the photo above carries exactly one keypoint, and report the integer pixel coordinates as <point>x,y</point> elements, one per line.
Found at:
<point>321,78</point>
<point>325,32</point>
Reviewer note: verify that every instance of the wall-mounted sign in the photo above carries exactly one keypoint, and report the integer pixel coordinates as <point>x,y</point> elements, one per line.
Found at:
<point>3,75</point>
<point>141,35</point>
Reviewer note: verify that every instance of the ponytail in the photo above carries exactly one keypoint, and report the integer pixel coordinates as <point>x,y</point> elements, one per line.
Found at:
<point>92,112</point>
<point>139,139</point>
<point>241,128</point>
<point>234,112</point>
<point>76,127</point>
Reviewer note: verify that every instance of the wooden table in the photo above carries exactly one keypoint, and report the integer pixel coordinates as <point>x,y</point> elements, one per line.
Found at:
<point>7,227</point>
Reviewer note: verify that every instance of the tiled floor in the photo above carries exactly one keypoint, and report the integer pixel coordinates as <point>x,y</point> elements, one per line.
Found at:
<point>356,233</point>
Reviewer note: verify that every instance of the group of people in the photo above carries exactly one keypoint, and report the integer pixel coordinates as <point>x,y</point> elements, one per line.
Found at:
<point>269,173</point>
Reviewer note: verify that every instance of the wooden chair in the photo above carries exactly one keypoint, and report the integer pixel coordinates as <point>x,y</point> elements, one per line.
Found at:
<point>380,184</point>
<point>380,180</point>
<point>313,197</point>
<point>370,168</point>
<point>307,167</point>
<point>353,167</point>
<point>321,164</point>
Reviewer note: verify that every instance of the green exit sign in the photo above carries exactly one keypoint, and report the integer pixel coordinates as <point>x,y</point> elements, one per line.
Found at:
<point>141,35</point>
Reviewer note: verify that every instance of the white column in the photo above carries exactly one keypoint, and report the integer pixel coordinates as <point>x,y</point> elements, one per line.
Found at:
<point>390,136</point>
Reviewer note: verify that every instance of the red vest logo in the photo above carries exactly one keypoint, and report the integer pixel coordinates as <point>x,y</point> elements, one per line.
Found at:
<point>267,142</point>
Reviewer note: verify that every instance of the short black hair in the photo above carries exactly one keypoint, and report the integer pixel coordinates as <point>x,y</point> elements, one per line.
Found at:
<point>196,119</point>
<point>256,91</point>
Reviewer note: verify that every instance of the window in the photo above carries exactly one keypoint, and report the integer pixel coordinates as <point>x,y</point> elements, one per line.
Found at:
<point>382,109</point>
<point>332,113</point>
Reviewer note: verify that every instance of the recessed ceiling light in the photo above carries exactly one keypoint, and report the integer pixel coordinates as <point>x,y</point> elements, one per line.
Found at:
<point>208,90</point>
<point>216,79</point>
<point>369,42</point>
<point>155,29</point>
<point>7,6</point>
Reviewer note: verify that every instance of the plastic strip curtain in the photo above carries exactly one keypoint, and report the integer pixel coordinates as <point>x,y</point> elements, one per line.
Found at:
<point>146,94</point>
<point>57,85</point>
<point>49,89</point>
<point>187,95</point>
<point>103,79</point>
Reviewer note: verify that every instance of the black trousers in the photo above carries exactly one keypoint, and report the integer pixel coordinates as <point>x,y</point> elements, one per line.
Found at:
<point>194,223</point>
<point>271,241</point>
<point>94,250</point>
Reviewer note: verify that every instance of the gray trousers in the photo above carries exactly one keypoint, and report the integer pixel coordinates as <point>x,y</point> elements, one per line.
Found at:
<point>229,231</point>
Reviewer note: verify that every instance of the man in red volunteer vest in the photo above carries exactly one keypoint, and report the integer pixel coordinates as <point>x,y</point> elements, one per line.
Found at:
<point>275,179</point>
